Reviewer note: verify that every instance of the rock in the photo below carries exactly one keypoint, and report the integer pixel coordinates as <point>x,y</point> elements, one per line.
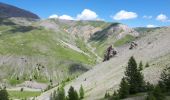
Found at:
<point>110,52</point>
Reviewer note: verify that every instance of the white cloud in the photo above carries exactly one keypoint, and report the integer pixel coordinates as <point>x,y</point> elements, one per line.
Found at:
<point>150,26</point>
<point>87,14</point>
<point>66,17</point>
<point>162,18</point>
<point>53,16</point>
<point>124,15</point>
<point>147,17</point>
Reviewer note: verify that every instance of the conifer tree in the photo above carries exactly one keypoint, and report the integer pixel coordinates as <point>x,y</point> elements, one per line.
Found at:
<point>61,94</point>
<point>72,94</point>
<point>3,94</point>
<point>115,96</point>
<point>107,95</point>
<point>164,83</point>
<point>140,66</point>
<point>124,89</point>
<point>81,92</point>
<point>134,77</point>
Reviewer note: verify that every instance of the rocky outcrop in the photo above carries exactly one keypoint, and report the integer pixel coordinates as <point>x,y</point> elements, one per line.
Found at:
<point>8,11</point>
<point>110,52</point>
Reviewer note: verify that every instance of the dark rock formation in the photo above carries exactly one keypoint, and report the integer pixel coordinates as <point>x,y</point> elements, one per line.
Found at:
<point>133,45</point>
<point>110,52</point>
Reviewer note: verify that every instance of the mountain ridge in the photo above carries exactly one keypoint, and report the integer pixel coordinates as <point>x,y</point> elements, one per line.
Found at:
<point>7,11</point>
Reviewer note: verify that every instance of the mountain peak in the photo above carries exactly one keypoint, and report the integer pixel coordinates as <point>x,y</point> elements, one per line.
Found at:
<point>8,11</point>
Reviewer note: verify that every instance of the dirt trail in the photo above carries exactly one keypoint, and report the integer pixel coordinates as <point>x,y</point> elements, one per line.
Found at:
<point>106,76</point>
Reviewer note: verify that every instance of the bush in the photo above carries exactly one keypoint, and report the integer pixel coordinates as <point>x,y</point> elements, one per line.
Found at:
<point>147,65</point>
<point>115,96</point>
<point>156,94</point>
<point>22,89</point>
<point>3,94</point>
<point>150,96</point>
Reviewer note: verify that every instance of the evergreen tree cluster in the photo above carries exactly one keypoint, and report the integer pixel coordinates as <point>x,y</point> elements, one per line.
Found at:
<point>162,88</point>
<point>72,94</point>
<point>133,83</point>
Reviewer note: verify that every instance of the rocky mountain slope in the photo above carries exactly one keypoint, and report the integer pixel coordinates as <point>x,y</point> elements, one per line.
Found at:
<point>153,47</point>
<point>33,50</point>
<point>8,11</point>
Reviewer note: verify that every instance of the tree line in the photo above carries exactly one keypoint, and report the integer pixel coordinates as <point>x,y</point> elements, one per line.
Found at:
<point>72,94</point>
<point>133,83</point>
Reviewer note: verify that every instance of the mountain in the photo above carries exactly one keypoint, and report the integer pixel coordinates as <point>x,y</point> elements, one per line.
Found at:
<point>44,54</point>
<point>153,47</point>
<point>8,11</point>
<point>51,49</point>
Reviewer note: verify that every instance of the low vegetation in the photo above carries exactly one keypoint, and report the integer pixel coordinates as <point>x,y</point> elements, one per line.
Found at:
<point>22,94</point>
<point>124,40</point>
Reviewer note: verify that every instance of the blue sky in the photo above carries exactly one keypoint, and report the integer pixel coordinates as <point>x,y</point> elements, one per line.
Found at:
<point>134,13</point>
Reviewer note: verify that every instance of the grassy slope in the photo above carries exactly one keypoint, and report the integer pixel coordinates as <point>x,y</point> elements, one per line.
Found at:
<point>104,39</point>
<point>124,40</point>
<point>29,41</point>
<point>22,95</point>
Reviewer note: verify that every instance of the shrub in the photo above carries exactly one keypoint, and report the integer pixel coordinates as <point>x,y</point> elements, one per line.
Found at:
<point>147,65</point>
<point>3,94</point>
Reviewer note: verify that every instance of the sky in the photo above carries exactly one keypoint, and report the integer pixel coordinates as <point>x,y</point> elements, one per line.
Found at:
<point>135,13</point>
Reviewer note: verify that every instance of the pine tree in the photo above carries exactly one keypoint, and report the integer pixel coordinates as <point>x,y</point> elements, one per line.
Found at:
<point>72,94</point>
<point>124,89</point>
<point>3,94</point>
<point>81,92</point>
<point>149,87</point>
<point>60,94</point>
<point>164,83</point>
<point>115,96</point>
<point>140,66</point>
<point>53,96</point>
<point>134,77</point>
<point>107,95</point>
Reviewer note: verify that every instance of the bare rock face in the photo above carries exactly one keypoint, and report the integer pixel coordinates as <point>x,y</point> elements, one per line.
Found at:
<point>124,30</point>
<point>8,11</point>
